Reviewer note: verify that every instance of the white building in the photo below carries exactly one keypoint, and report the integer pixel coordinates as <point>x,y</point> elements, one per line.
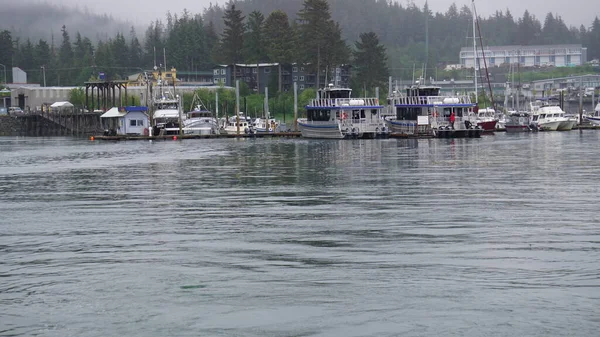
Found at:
<point>527,56</point>
<point>129,120</point>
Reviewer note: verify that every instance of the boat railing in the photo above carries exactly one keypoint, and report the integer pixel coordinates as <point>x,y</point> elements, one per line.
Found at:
<point>337,102</point>
<point>431,100</point>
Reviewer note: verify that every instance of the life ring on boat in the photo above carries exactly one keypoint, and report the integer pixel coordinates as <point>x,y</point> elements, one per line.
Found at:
<point>344,115</point>
<point>270,129</point>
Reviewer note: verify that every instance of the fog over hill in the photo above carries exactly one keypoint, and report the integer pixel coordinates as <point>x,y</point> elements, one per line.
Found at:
<point>42,20</point>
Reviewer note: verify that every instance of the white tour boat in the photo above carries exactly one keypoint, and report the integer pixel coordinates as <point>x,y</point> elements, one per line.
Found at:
<point>335,114</point>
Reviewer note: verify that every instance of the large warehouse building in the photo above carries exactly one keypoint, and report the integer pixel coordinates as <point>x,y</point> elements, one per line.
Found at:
<point>566,55</point>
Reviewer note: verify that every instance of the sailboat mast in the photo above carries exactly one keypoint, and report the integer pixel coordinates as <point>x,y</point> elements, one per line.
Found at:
<point>475,54</point>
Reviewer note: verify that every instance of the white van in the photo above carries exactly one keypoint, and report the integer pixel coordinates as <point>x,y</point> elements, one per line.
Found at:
<point>14,110</point>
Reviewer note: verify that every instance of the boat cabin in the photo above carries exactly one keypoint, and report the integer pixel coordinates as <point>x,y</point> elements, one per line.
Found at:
<point>422,91</point>
<point>333,93</point>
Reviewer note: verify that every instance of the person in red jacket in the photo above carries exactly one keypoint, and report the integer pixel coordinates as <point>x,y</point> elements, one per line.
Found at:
<point>452,118</point>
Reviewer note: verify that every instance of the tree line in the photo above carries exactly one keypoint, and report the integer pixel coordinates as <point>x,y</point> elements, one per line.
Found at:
<point>389,38</point>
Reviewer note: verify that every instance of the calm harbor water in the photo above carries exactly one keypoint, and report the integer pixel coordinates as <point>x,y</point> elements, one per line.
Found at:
<point>498,236</point>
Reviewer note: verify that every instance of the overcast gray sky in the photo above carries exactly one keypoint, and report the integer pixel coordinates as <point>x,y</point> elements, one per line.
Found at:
<point>573,12</point>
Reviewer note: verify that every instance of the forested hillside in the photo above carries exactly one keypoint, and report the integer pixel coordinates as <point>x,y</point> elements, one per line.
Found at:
<point>197,41</point>
<point>41,20</point>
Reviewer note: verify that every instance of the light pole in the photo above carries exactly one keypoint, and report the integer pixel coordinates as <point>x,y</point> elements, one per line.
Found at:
<point>44,74</point>
<point>3,66</point>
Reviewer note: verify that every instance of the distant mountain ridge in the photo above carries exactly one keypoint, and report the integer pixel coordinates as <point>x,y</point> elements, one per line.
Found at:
<point>36,20</point>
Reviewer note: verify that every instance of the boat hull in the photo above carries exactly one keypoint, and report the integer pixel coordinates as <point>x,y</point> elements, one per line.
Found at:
<point>566,126</point>
<point>517,128</point>
<point>321,130</point>
<point>488,125</point>
<point>594,120</point>
<point>549,126</point>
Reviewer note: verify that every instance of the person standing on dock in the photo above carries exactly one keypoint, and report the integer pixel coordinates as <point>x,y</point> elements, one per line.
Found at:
<point>452,118</point>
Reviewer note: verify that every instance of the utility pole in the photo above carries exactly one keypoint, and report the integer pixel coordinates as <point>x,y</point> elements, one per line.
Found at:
<point>44,74</point>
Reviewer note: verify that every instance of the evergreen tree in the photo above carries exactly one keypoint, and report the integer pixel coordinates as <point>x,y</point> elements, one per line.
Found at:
<point>135,50</point>
<point>232,39</point>
<point>154,43</point>
<point>43,57</point>
<point>119,52</point>
<point>370,61</point>
<point>211,44</point>
<point>594,40</point>
<point>254,48</point>
<point>529,30</point>
<point>279,39</point>
<point>65,53</point>
<point>320,38</point>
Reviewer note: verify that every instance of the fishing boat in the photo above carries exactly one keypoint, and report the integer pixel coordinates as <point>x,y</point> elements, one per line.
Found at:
<point>518,121</point>
<point>335,114</point>
<point>200,121</point>
<point>240,124</point>
<point>262,125</point>
<point>423,110</point>
<point>167,114</point>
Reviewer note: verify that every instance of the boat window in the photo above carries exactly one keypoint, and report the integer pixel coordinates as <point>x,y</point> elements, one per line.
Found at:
<point>374,111</point>
<point>459,112</point>
<point>321,115</point>
<point>406,113</point>
<point>447,112</point>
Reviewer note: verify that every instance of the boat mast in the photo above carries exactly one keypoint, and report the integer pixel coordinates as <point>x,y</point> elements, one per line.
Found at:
<point>475,55</point>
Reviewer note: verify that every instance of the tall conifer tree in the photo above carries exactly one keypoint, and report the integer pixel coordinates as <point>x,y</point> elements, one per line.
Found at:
<point>232,39</point>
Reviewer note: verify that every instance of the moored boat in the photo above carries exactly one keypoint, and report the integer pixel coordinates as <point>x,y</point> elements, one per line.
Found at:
<point>335,114</point>
<point>239,124</point>
<point>422,110</point>
<point>548,116</point>
<point>595,117</point>
<point>518,121</point>
<point>167,115</point>
<point>486,119</point>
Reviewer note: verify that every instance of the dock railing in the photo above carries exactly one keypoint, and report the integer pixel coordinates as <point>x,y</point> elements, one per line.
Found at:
<point>431,100</point>
<point>342,102</point>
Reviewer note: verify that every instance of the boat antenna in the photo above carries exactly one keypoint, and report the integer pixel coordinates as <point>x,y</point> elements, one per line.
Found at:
<point>475,58</point>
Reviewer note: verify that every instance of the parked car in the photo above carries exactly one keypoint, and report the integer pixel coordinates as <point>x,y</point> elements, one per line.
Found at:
<point>3,111</point>
<point>14,110</point>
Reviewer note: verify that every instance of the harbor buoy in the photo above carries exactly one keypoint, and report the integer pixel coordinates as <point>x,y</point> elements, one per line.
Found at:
<point>92,138</point>
<point>174,137</point>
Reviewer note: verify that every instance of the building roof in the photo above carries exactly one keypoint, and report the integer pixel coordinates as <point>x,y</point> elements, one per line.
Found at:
<point>520,47</point>
<point>113,112</point>
<point>251,65</point>
<point>64,104</point>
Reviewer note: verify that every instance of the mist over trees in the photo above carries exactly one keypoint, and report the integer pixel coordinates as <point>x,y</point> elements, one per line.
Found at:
<point>256,31</point>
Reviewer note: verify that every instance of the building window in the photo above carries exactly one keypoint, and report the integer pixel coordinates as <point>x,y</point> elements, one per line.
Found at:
<point>267,70</point>
<point>223,71</point>
<point>254,70</point>
<point>301,78</point>
<point>216,71</point>
<point>301,86</point>
<point>136,122</point>
<point>295,78</point>
<point>301,68</point>
<point>295,69</point>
